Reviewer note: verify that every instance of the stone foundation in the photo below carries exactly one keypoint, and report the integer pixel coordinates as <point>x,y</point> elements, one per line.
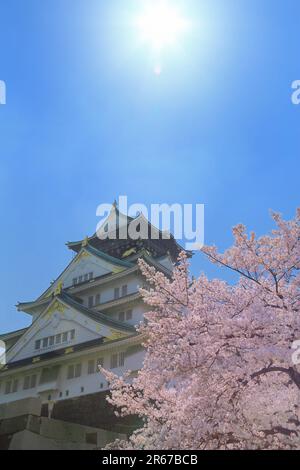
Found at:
<point>23,428</point>
<point>93,410</point>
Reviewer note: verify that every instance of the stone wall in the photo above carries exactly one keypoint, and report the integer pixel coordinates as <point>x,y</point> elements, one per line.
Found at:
<point>93,410</point>
<point>23,428</point>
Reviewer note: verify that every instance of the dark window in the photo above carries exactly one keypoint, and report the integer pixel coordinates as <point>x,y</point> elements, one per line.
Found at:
<point>38,344</point>
<point>86,277</point>
<point>97,299</point>
<point>26,384</point>
<point>58,339</point>
<point>121,359</point>
<point>116,292</point>
<point>122,316</point>
<point>74,371</point>
<point>114,361</point>
<point>45,342</point>
<point>51,340</point>
<point>70,372</point>
<point>91,302</point>
<point>49,374</point>
<point>91,367</point>
<point>80,279</point>
<point>65,337</point>
<point>15,386</point>
<point>129,315</point>
<point>7,388</point>
<point>29,382</point>
<point>124,290</point>
<point>91,275</point>
<point>33,381</point>
<point>100,362</point>
<point>72,334</point>
<point>74,281</point>
<point>78,370</point>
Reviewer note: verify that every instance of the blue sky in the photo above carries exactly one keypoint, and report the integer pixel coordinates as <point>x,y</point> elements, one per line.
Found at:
<point>87,120</point>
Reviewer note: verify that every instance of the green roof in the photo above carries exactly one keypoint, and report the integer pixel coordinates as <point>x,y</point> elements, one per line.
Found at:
<point>14,333</point>
<point>109,258</point>
<point>96,316</point>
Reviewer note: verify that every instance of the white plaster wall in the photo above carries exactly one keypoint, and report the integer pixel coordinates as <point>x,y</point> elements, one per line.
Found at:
<point>138,311</point>
<point>85,330</point>
<point>82,335</point>
<point>37,312</point>
<point>90,382</point>
<point>107,291</point>
<point>84,266</point>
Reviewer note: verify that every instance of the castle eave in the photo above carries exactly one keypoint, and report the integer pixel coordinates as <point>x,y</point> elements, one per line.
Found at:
<point>63,354</point>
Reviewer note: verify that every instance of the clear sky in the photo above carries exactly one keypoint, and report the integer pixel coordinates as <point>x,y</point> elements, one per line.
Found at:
<point>87,120</point>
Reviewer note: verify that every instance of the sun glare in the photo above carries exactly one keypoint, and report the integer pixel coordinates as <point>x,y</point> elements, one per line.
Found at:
<point>160,24</point>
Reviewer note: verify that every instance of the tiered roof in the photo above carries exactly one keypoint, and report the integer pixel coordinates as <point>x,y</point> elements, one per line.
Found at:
<point>122,255</point>
<point>160,245</point>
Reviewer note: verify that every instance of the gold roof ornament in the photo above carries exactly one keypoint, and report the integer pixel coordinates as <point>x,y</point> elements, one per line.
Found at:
<point>69,350</point>
<point>55,307</point>
<point>85,242</point>
<point>58,289</point>
<point>128,252</point>
<point>113,335</point>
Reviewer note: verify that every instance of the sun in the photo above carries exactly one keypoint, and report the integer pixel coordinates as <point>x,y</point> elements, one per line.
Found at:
<point>160,24</point>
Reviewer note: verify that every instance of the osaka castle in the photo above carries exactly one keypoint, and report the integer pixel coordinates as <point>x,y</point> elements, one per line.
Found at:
<point>87,317</point>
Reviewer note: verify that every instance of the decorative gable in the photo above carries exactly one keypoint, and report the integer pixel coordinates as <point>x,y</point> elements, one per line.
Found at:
<point>61,326</point>
<point>88,264</point>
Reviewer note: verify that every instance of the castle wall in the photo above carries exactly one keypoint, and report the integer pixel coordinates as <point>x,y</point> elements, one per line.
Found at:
<point>22,427</point>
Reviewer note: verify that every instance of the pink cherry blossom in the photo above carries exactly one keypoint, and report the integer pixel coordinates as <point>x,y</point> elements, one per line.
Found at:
<point>218,371</point>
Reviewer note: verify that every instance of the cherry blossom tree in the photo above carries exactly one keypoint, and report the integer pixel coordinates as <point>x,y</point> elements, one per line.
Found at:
<point>220,371</point>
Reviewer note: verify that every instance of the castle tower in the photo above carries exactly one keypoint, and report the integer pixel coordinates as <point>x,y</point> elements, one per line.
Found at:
<point>88,316</point>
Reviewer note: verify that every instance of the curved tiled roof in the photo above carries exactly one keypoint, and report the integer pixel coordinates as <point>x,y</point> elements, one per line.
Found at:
<point>96,316</point>
<point>13,334</point>
<point>107,257</point>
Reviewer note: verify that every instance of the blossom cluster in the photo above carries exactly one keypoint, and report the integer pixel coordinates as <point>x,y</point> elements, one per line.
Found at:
<point>218,371</point>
